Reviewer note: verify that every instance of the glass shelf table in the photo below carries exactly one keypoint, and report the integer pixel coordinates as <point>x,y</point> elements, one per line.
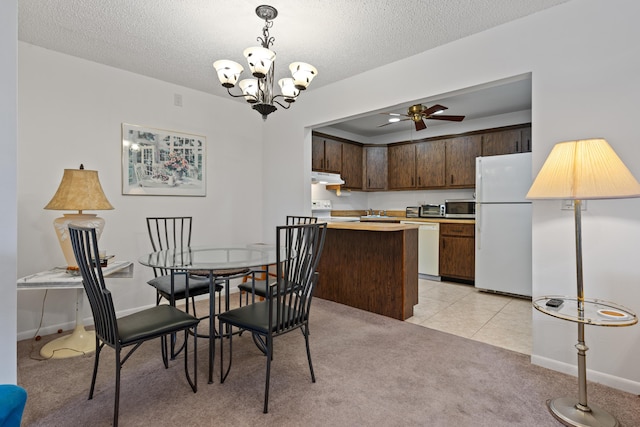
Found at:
<point>576,412</point>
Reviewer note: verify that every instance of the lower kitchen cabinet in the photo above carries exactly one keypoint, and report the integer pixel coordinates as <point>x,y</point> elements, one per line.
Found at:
<point>457,251</point>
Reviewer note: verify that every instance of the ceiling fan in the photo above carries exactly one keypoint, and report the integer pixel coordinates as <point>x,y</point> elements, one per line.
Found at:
<point>418,113</point>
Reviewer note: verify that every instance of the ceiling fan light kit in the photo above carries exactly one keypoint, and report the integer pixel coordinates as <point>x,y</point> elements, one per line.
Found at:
<point>259,91</point>
<point>418,113</point>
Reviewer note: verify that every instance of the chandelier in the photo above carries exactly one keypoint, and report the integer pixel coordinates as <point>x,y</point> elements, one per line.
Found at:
<point>259,91</point>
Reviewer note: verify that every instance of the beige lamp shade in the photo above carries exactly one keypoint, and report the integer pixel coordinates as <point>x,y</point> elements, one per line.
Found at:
<point>79,190</point>
<point>582,170</point>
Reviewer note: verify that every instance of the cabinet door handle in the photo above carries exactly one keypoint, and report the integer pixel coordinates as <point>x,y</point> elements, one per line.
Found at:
<point>517,146</point>
<point>452,178</point>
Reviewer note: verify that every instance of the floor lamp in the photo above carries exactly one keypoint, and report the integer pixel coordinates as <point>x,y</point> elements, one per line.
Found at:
<point>79,190</point>
<point>582,170</point>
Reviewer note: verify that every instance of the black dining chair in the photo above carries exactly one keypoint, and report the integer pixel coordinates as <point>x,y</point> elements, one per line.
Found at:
<point>288,299</point>
<point>131,330</point>
<point>255,284</point>
<point>175,233</point>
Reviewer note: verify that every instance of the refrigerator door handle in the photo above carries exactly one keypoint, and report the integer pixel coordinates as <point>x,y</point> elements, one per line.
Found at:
<point>479,179</point>
<point>478,226</point>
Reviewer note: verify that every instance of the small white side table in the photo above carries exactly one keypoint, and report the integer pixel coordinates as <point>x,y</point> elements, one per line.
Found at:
<point>80,341</point>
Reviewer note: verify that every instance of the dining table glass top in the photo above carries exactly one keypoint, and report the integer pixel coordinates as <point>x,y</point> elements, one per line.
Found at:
<point>211,258</point>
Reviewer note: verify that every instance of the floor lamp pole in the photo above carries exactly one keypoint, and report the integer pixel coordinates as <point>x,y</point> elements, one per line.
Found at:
<point>566,409</point>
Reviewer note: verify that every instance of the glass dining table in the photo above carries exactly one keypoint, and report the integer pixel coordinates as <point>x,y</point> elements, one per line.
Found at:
<point>212,259</point>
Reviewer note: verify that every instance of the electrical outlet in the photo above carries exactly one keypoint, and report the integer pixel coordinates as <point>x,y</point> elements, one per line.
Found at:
<point>567,205</point>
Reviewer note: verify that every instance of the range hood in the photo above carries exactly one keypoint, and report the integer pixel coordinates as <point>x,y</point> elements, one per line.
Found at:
<point>326,178</point>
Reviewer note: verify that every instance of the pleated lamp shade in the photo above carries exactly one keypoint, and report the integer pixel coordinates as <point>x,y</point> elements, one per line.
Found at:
<point>583,170</point>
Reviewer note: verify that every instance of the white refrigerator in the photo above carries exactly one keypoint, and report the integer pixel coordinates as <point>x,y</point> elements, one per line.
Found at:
<point>503,224</point>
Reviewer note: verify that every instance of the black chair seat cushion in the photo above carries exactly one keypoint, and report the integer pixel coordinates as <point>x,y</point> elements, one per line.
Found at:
<point>260,288</point>
<point>254,317</point>
<point>153,322</point>
<point>197,286</point>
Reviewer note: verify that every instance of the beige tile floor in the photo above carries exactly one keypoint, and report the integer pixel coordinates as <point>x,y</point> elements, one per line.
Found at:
<point>460,309</point>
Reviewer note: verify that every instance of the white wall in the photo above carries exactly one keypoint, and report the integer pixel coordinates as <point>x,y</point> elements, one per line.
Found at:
<point>8,168</point>
<point>585,83</point>
<point>70,112</point>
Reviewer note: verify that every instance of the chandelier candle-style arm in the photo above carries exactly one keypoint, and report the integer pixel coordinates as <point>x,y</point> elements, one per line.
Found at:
<point>259,92</point>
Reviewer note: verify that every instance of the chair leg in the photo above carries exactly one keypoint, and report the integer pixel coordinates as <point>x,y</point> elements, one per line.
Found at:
<point>163,348</point>
<point>116,405</point>
<point>266,385</point>
<point>194,383</point>
<point>95,367</point>
<point>305,332</point>
<point>223,374</point>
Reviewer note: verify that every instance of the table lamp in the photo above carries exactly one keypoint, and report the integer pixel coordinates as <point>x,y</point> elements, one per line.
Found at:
<point>582,170</point>
<point>79,190</point>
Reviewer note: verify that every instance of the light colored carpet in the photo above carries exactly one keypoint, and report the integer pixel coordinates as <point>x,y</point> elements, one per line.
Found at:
<point>370,370</point>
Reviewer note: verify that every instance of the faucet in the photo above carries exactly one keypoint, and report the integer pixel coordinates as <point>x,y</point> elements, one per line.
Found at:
<point>370,212</point>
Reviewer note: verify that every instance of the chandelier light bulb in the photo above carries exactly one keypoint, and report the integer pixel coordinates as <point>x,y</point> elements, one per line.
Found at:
<point>228,72</point>
<point>260,60</point>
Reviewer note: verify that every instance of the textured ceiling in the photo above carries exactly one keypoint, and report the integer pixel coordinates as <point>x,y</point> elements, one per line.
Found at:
<point>177,41</point>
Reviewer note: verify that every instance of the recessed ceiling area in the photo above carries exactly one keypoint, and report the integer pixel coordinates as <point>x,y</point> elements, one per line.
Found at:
<point>489,100</point>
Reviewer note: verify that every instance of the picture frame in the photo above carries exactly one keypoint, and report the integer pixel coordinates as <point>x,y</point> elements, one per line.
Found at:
<point>157,162</point>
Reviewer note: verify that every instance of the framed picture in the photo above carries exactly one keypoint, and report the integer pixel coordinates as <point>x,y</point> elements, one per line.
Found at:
<point>158,162</point>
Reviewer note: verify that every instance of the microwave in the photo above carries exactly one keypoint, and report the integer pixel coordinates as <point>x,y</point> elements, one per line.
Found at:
<point>431,211</point>
<point>460,208</point>
<point>412,212</point>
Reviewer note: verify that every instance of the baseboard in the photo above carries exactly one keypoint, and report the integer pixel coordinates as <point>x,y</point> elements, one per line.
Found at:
<point>593,376</point>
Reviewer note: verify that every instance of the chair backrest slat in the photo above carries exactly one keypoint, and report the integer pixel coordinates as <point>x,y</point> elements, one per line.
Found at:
<point>296,274</point>
<point>169,233</point>
<point>85,248</point>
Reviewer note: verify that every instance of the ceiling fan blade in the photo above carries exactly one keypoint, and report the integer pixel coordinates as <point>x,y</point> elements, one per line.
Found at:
<point>420,125</point>
<point>429,111</point>
<point>442,117</point>
<point>394,114</point>
<point>390,123</point>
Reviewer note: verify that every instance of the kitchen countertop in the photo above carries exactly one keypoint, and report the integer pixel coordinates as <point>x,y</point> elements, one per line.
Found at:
<point>371,226</point>
<point>395,216</point>
<point>404,218</point>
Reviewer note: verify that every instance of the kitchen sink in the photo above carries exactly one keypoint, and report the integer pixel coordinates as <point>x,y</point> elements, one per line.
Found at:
<point>374,216</point>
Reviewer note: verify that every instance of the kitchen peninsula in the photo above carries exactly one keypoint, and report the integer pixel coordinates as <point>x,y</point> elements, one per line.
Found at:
<point>372,266</point>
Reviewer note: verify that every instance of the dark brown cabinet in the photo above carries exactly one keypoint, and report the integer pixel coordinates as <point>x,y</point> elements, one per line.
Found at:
<point>457,251</point>
<point>460,161</point>
<point>352,166</point>
<point>507,142</point>
<point>402,166</point>
<point>418,165</point>
<point>375,168</point>
<point>326,154</point>
<point>430,164</point>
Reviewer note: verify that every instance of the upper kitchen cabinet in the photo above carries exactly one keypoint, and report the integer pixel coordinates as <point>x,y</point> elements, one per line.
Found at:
<point>375,168</point>
<point>402,166</point>
<point>417,165</point>
<point>460,161</point>
<point>430,164</point>
<point>507,141</point>
<point>352,166</point>
<point>326,154</point>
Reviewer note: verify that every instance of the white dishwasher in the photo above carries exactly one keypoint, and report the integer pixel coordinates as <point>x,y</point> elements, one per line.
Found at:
<point>428,247</point>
